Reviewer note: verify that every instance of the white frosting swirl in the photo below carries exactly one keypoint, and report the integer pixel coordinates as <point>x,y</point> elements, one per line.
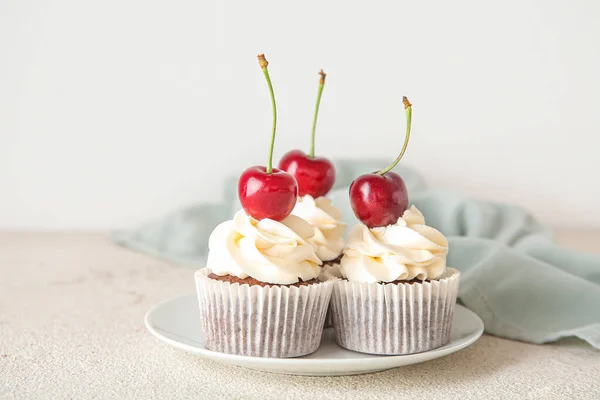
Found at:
<point>266,250</point>
<point>328,228</point>
<point>405,250</point>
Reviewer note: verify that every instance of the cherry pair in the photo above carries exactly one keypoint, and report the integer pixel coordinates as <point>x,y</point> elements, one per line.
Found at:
<point>377,199</point>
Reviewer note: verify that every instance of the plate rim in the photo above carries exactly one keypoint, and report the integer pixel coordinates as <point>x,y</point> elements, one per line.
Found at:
<point>297,361</point>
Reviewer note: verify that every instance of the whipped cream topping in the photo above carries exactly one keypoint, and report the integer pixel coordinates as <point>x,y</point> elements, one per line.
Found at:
<point>328,229</point>
<point>266,250</point>
<point>405,250</point>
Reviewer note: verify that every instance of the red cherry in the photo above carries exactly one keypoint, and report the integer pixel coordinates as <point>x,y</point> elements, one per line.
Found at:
<point>378,200</point>
<point>265,195</point>
<point>315,175</point>
<point>267,192</point>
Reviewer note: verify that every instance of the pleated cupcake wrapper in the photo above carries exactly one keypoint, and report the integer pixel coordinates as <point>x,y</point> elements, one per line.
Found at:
<point>405,318</point>
<point>270,321</point>
<point>330,272</point>
<point>328,318</point>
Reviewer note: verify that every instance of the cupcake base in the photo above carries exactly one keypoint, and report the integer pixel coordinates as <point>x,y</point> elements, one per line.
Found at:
<point>335,261</point>
<point>330,269</point>
<point>395,318</point>
<point>261,321</point>
<point>251,281</point>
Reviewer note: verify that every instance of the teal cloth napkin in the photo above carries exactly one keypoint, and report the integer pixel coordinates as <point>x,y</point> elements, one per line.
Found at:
<point>521,284</point>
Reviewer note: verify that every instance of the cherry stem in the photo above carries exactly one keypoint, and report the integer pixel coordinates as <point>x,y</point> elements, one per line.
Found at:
<point>314,125</point>
<point>262,61</point>
<point>408,108</point>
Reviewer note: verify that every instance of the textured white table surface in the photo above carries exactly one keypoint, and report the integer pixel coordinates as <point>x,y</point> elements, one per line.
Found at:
<point>71,326</point>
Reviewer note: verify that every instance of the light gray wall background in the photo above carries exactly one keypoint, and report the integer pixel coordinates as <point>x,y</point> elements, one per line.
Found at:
<point>113,112</point>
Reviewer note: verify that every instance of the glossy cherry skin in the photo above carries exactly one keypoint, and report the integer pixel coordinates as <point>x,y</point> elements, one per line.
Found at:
<point>378,200</point>
<point>315,176</point>
<point>266,195</point>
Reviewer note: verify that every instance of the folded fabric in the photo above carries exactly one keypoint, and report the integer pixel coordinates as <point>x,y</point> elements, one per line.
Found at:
<point>521,284</point>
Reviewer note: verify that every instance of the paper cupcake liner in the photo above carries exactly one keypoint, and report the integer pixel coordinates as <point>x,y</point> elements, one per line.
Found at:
<point>328,318</point>
<point>330,272</point>
<point>404,318</point>
<point>270,321</point>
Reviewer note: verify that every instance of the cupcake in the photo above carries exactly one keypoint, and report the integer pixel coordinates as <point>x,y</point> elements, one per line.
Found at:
<point>328,236</point>
<point>397,295</point>
<point>316,176</point>
<point>259,294</point>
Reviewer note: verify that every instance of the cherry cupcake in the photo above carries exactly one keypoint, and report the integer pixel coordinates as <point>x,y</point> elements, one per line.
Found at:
<point>397,295</point>
<point>259,294</point>
<point>315,177</point>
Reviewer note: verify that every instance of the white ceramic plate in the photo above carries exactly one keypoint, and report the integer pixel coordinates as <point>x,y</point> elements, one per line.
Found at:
<point>177,322</point>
